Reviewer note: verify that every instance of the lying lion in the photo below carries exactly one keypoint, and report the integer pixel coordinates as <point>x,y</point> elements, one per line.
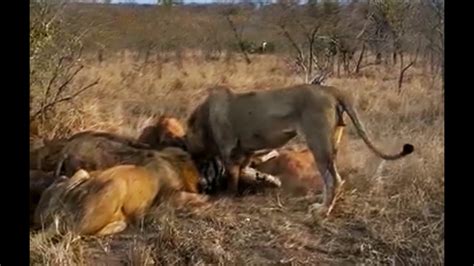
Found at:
<point>105,202</point>
<point>234,126</point>
<point>101,150</point>
<point>92,150</point>
<point>89,150</point>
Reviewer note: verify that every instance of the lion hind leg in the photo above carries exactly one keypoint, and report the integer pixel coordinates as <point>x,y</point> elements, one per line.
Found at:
<point>112,228</point>
<point>105,223</point>
<point>337,138</point>
<point>332,187</point>
<point>336,141</point>
<point>109,221</point>
<point>104,208</point>
<point>331,201</point>
<point>321,141</point>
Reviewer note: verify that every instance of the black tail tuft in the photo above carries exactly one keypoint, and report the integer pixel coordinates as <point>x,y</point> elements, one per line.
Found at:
<point>407,149</point>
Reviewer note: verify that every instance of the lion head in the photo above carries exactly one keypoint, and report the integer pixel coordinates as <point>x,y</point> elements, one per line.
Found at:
<point>164,131</point>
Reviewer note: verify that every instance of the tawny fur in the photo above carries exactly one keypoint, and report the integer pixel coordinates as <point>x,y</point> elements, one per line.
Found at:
<point>166,131</point>
<point>295,168</point>
<point>234,126</point>
<point>105,202</point>
<point>91,150</point>
<point>99,150</point>
<point>169,132</point>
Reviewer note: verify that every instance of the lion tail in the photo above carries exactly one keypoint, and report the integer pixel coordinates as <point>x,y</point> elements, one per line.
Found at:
<point>347,106</point>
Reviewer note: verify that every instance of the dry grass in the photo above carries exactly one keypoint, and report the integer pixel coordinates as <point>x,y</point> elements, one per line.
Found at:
<point>388,212</point>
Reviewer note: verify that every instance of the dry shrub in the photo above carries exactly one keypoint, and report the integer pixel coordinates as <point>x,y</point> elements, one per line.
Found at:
<point>48,249</point>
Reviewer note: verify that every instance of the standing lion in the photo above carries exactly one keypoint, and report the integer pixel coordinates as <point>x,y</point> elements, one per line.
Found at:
<point>234,126</point>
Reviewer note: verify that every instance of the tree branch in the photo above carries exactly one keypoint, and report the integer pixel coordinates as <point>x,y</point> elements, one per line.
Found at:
<point>64,99</point>
<point>66,82</point>
<point>404,69</point>
<point>311,39</point>
<point>239,39</point>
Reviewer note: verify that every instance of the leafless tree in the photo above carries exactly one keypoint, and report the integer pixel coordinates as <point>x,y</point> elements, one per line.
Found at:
<point>310,47</point>
<point>432,29</point>
<point>393,17</point>
<point>58,54</point>
<point>229,14</point>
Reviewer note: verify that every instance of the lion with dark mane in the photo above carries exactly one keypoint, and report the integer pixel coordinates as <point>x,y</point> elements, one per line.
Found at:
<point>234,126</point>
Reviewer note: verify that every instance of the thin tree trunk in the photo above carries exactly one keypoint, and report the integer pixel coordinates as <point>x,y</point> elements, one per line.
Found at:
<point>359,61</point>
<point>403,69</point>
<point>338,67</point>
<point>239,40</point>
